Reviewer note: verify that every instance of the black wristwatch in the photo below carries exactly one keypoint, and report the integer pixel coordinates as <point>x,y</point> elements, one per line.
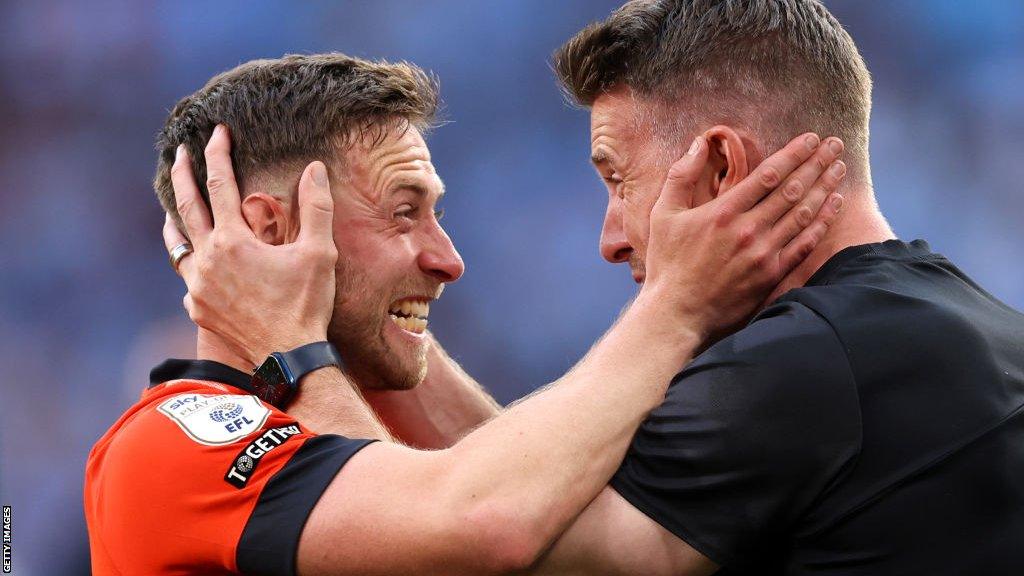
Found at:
<point>277,379</point>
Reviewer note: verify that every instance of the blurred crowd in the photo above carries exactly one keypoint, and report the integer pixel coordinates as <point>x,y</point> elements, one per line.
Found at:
<point>88,303</point>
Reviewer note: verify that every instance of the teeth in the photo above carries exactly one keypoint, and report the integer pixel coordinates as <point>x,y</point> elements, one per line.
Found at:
<point>415,308</point>
<point>411,324</point>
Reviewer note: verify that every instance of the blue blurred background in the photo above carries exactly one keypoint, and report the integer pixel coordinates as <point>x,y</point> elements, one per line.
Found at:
<point>88,303</point>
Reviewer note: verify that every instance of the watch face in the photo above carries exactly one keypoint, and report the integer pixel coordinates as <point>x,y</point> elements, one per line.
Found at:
<point>270,383</point>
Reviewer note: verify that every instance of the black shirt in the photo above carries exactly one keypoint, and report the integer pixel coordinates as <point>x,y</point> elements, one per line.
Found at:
<point>869,423</point>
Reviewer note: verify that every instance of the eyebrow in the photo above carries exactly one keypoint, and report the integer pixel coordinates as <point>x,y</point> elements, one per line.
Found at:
<point>417,187</point>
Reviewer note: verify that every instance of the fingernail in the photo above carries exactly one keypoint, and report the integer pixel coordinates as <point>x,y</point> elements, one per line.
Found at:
<point>838,168</point>
<point>319,174</point>
<point>837,202</point>
<point>179,152</point>
<point>217,129</point>
<point>695,147</point>
<point>836,146</point>
<point>812,141</point>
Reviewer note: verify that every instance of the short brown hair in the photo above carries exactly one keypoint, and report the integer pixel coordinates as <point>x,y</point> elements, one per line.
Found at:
<point>287,112</point>
<point>781,67</point>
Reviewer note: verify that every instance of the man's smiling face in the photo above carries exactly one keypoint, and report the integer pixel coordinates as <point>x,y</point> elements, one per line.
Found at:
<point>394,258</point>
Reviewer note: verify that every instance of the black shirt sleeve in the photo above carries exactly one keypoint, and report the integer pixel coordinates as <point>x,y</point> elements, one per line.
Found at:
<point>749,435</point>
<point>270,541</point>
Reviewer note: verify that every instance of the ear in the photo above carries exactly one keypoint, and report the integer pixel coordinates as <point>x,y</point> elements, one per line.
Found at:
<point>727,159</point>
<point>268,218</point>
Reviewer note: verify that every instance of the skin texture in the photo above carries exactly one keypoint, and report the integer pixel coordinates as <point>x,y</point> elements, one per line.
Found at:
<point>493,502</point>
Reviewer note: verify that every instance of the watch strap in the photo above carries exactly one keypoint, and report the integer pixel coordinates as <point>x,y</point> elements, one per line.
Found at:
<point>305,359</point>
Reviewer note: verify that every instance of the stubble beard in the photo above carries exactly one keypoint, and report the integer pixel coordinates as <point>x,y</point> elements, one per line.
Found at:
<point>357,330</point>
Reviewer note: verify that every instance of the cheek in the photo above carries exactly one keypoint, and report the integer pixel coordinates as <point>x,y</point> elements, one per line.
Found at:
<point>636,219</point>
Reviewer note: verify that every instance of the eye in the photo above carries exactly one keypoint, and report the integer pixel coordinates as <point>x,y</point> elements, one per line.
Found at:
<point>405,211</point>
<point>614,182</point>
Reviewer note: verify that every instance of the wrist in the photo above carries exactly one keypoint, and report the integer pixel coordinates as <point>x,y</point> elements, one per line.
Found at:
<point>672,319</point>
<point>277,379</point>
<point>259,352</point>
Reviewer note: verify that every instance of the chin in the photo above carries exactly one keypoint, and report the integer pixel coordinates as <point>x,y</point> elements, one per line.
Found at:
<point>389,375</point>
<point>380,367</point>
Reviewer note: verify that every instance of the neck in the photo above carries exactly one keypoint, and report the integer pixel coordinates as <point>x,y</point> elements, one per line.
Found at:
<point>860,222</point>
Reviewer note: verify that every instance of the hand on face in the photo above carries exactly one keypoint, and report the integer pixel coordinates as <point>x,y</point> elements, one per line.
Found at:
<point>259,298</point>
<point>715,264</point>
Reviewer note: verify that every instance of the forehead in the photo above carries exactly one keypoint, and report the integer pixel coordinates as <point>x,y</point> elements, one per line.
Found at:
<point>613,126</point>
<point>372,163</point>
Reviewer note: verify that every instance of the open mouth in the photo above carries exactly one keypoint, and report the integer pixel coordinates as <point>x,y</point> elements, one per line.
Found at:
<point>410,314</point>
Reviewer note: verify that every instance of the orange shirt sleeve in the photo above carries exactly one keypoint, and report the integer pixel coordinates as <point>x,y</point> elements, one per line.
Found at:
<point>205,481</point>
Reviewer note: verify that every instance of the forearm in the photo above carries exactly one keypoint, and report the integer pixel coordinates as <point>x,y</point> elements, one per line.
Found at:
<point>446,406</point>
<point>537,465</point>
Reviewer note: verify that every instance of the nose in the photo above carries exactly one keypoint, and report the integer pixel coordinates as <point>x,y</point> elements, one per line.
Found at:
<point>440,259</point>
<point>614,246</point>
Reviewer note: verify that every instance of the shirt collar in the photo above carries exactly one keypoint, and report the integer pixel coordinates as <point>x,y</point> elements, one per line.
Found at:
<point>896,249</point>
<point>207,370</point>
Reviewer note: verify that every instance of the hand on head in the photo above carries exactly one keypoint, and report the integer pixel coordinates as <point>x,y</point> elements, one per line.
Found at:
<point>715,264</point>
<point>257,297</point>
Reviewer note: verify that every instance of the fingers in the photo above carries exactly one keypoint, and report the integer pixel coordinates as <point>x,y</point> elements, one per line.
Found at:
<point>316,206</point>
<point>798,249</point>
<point>795,188</point>
<point>683,176</point>
<point>172,238</point>
<point>193,212</point>
<point>802,215</point>
<point>770,173</point>
<point>220,180</point>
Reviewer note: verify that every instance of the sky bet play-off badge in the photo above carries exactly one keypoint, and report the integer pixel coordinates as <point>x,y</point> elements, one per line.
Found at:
<point>215,419</point>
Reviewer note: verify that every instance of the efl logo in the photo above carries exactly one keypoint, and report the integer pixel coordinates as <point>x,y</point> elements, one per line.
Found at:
<point>7,540</point>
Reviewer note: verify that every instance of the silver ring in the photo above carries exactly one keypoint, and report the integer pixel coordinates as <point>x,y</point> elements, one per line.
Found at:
<point>178,254</point>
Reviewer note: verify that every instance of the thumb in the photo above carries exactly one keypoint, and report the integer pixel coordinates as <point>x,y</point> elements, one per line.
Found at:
<point>316,206</point>
<point>683,176</point>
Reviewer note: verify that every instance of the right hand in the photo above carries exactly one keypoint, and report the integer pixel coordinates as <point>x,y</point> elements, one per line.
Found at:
<point>714,265</point>
<point>257,297</point>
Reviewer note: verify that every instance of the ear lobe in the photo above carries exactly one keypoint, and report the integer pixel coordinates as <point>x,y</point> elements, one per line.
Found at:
<point>728,157</point>
<point>266,217</point>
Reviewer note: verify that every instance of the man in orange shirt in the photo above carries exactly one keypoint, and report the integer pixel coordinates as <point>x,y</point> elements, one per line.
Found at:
<point>217,469</point>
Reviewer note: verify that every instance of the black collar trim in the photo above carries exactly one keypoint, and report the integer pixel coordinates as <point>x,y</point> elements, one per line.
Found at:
<point>208,370</point>
<point>890,248</point>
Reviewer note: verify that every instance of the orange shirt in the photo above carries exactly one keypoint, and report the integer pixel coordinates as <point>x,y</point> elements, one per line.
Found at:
<point>201,477</point>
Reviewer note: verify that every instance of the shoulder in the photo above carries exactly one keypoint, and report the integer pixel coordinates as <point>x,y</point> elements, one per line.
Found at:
<point>762,392</point>
<point>748,436</point>
<point>203,473</point>
<point>786,351</point>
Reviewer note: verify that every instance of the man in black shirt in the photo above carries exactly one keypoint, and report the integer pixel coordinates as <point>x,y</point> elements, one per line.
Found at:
<point>870,420</point>
<point>868,423</point>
